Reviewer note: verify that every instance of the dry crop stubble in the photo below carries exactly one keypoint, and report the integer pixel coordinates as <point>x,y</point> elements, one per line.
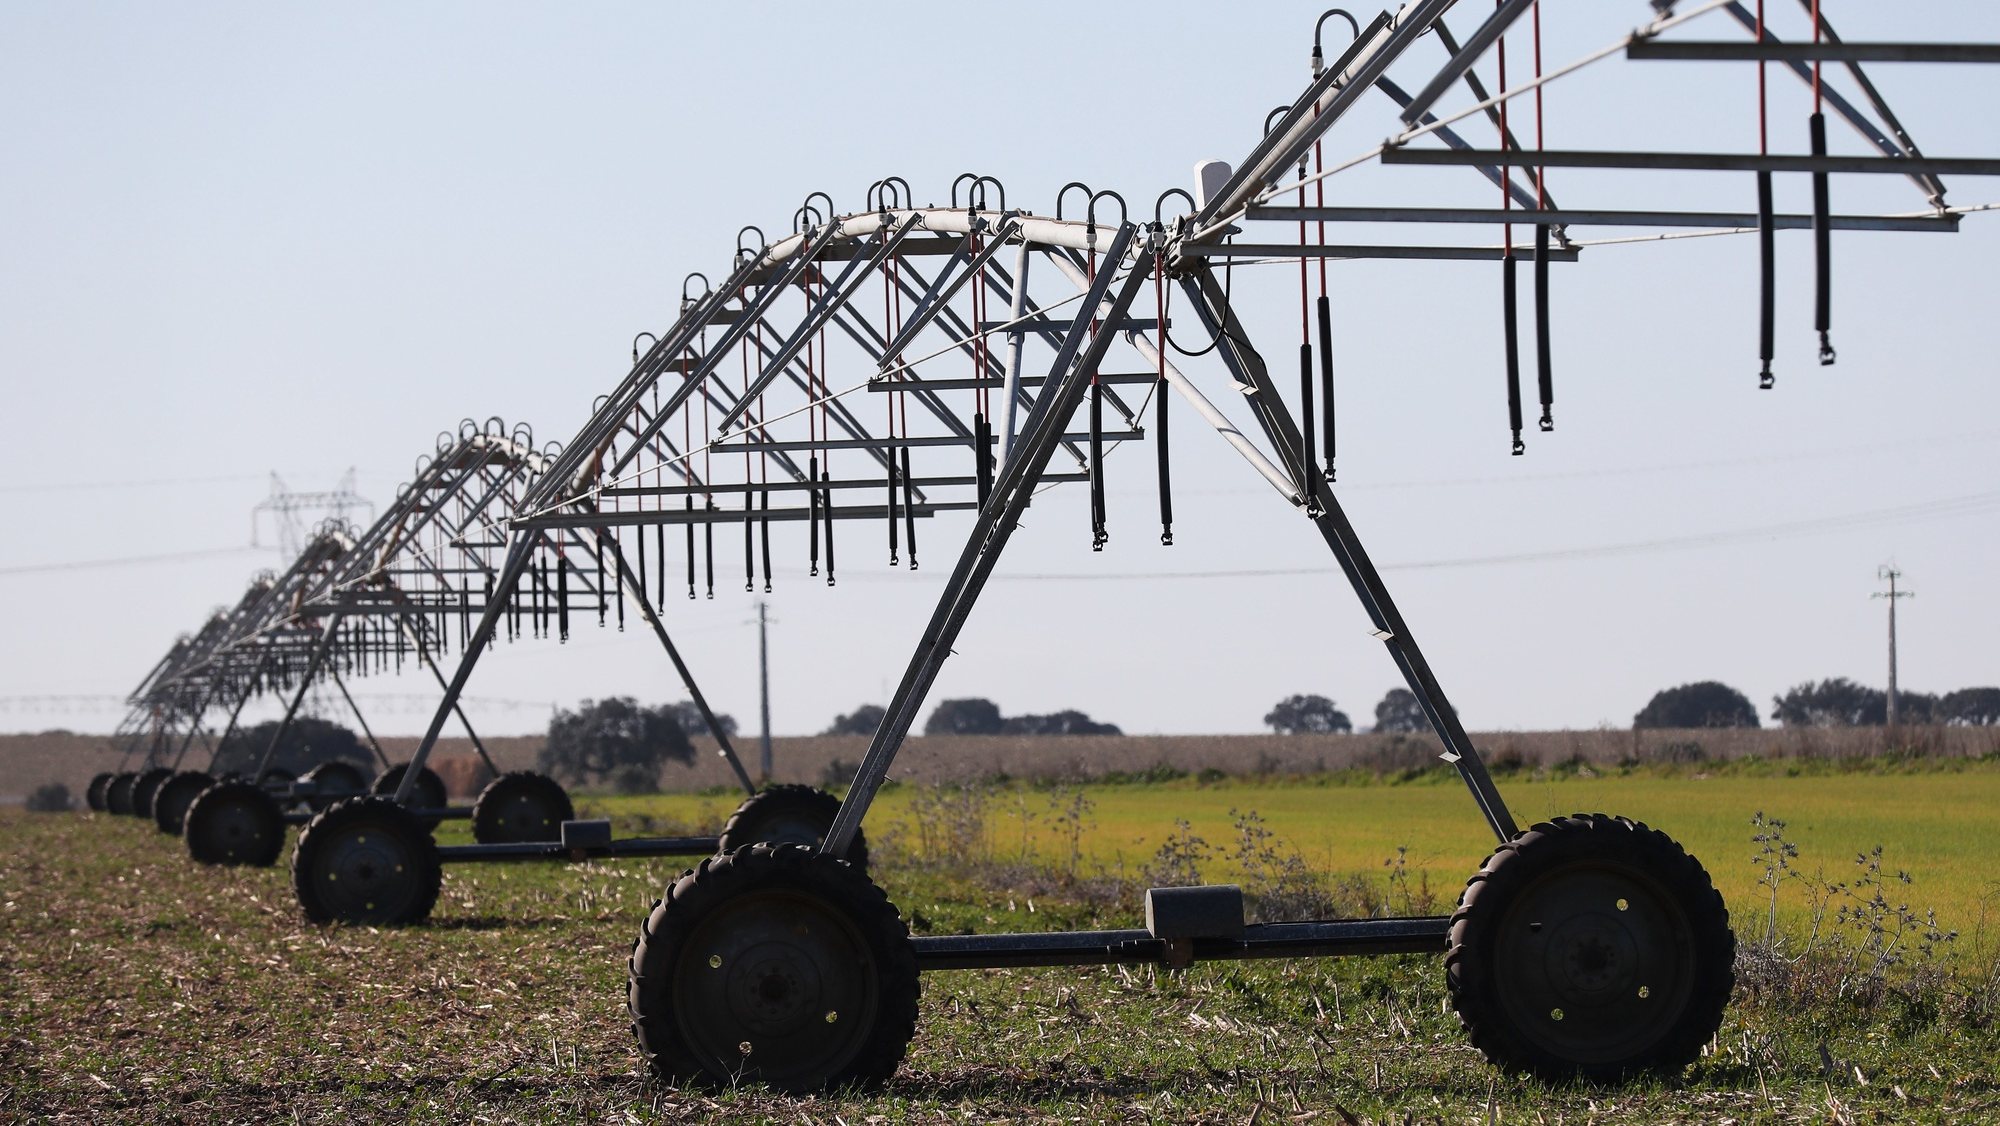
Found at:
<point>140,987</point>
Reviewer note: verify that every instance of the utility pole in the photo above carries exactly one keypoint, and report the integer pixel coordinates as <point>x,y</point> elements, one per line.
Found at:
<point>1889,572</point>
<point>764,690</point>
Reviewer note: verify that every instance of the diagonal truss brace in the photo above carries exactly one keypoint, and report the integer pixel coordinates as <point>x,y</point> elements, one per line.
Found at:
<point>1283,432</point>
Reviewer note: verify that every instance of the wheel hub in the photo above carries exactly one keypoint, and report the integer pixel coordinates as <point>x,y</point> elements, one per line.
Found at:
<point>524,815</point>
<point>779,982</point>
<point>235,823</point>
<point>1595,959</point>
<point>772,987</point>
<point>365,872</point>
<point>1591,958</point>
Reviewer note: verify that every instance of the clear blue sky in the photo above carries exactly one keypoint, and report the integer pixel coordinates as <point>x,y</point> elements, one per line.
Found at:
<point>245,238</point>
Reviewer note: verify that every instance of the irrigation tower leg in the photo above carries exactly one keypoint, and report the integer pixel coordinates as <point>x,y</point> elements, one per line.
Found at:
<point>156,753</point>
<point>194,724</point>
<point>362,720</point>
<point>140,735</point>
<point>121,736</point>
<point>637,590</point>
<point>1264,399</point>
<point>292,709</point>
<point>489,621</point>
<point>249,690</point>
<point>424,658</point>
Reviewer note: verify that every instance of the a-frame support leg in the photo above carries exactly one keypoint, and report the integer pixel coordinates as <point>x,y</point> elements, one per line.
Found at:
<point>1248,367</point>
<point>313,664</point>
<point>249,690</point>
<point>236,710</point>
<point>489,620</point>
<point>424,658</point>
<point>194,724</point>
<point>373,745</point>
<point>122,733</point>
<point>637,590</point>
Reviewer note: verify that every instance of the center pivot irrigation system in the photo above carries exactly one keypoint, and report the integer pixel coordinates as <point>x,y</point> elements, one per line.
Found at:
<point>984,354</point>
<point>358,603</point>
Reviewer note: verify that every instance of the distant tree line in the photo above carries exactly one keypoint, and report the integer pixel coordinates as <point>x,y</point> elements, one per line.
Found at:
<point>976,715</point>
<point>1313,714</point>
<point>1834,702</point>
<point>308,742</point>
<point>622,743</point>
<point>1837,702</point>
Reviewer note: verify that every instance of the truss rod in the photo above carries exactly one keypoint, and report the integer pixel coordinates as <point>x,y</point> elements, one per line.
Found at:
<point>895,443</point>
<point>836,296</point>
<point>994,367</point>
<point>802,486</point>
<point>720,516</point>
<point>950,280</point>
<point>1698,161</point>
<point>1279,479</point>
<point>1541,196</point>
<point>836,410</point>
<point>1353,251</point>
<point>754,312</point>
<point>1653,50</point>
<point>1464,57</point>
<point>912,384</point>
<point>1514,186</point>
<point>589,445</point>
<point>1582,218</point>
<point>1210,226</point>
<point>870,342</point>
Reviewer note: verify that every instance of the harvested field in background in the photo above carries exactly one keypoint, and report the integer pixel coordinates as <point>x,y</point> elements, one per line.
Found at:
<point>27,761</point>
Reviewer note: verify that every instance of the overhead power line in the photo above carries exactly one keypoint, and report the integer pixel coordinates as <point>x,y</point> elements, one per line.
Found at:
<point>1946,508</point>
<point>130,560</point>
<point>400,703</point>
<point>135,483</point>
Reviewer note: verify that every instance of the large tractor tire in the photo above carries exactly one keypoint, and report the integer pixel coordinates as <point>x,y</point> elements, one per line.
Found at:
<point>234,823</point>
<point>1590,947</point>
<point>143,789</point>
<point>788,814</point>
<point>774,964</point>
<point>118,793</point>
<point>521,806</point>
<point>332,781</point>
<point>429,792</point>
<point>366,860</point>
<point>171,802</point>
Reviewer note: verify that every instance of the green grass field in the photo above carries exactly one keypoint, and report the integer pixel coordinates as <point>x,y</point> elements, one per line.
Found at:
<point>137,986</point>
<point>1940,826</point>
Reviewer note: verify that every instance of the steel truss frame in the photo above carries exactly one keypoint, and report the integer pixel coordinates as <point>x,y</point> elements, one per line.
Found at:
<point>354,603</point>
<point>625,471</point>
<point>747,363</point>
